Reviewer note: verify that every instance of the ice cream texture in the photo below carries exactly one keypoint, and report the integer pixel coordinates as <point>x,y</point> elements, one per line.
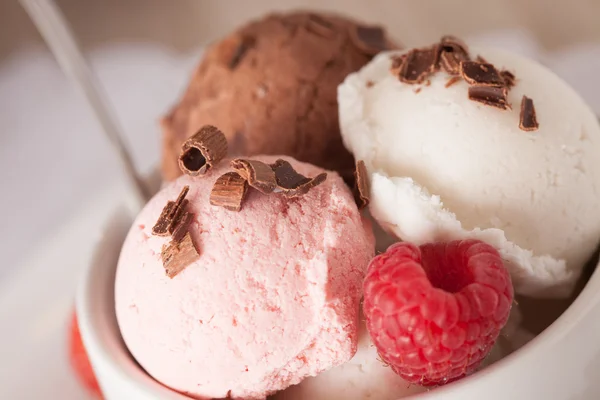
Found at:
<point>365,376</point>
<point>270,86</point>
<point>445,167</point>
<point>273,298</point>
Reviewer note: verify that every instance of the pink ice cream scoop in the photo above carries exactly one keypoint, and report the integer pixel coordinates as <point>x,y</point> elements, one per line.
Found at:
<point>272,299</point>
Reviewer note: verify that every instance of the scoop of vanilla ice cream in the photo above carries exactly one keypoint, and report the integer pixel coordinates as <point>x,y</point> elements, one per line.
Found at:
<point>444,167</point>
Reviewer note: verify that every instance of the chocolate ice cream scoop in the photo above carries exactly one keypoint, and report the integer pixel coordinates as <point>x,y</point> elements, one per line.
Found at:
<point>271,88</point>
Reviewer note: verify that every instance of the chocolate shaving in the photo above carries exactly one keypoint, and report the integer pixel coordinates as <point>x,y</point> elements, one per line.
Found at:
<point>202,151</point>
<point>453,44</point>
<point>452,81</point>
<point>450,62</point>
<point>178,215</point>
<point>258,174</point>
<point>242,48</point>
<point>369,84</point>
<point>489,95</point>
<point>369,39</point>
<point>161,228</point>
<point>362,187</point>
<point>170,215</point>
<point>320,26</point>
<point>286,176</point>
<point>182,226</point>
<point>419,65</point>
<point>417,90</point>
<point>175,220</point>
<point>229,191</point>
<point>509,78</point>
<point>184,191</point>
<point>397,63</point>
<point>528,119</point>
<point>290,182</point>
<point>453,51</point>
<point>476,73</point>
<point>176,256</point>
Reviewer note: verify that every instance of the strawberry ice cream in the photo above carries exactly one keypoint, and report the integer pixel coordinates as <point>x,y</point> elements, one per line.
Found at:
<point>446,162</point>
<point>273,297</point>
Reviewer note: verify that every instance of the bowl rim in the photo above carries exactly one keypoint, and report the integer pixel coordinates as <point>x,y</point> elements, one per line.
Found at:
<point>131,374</point>
<point>108,354</point>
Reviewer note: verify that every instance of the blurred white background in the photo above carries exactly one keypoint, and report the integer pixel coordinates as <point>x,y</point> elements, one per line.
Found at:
<point>59,177</point>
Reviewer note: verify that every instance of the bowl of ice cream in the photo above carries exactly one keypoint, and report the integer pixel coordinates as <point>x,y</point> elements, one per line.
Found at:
<point>560,363</point>
<point>255,276</point>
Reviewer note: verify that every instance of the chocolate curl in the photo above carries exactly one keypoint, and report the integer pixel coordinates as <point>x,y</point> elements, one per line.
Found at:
<point>202,151</point>
<point>258,174</point>
<point>229,191</point>
<point>291,183</point>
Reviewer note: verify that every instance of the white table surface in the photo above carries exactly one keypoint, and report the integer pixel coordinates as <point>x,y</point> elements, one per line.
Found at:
<point>59,181</point>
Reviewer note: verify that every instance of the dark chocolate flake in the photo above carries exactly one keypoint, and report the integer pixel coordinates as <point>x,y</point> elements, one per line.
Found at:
<point>453,44</point>
<point>362,188</point>
<point>286,176</point>
<point>258,174</point>
<point>369,39</point>
<point>489,95</point>
<point>452,52</point>
<point>528,119</point>
<point>178,215</point>
<point>176,256</point>
<point>181,228</point>
<point>419,65</point>
<point>202,151</point>
<point>161,228</point>
<point>397,63</point>
<point>290,182</point>
<point>475,73</point>
<point>509,78</point>
<point>169,216</point>
<point>184,192</point>
<point>450,62</point>
<point>229,191</point>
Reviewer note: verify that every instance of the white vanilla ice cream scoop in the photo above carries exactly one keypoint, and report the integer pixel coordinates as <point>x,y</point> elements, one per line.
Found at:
<point>444,167</point>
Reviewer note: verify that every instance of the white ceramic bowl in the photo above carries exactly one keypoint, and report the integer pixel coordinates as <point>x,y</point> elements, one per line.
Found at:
<point>562,363</point>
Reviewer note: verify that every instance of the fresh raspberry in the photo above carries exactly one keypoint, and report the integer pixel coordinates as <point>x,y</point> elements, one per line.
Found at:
<point>79,359</point>
<point>435,311</point>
